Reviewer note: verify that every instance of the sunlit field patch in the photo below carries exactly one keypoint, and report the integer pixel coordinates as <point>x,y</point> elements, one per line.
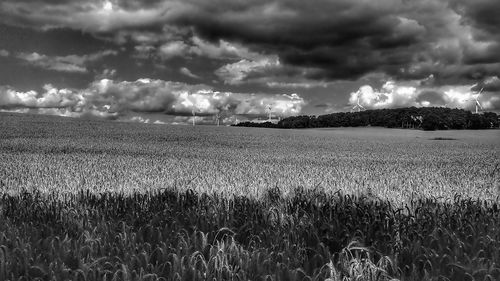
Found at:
<point>70,155</point>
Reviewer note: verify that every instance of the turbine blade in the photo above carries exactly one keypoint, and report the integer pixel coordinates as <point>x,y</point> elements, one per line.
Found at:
<point>480,106</point>
<point>480,91</point>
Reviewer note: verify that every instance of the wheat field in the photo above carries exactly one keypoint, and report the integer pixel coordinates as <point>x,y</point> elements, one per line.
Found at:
<point>71,155</point>
<point>101,200</point>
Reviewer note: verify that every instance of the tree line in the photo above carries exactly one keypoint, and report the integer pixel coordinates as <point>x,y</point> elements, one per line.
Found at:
<point>425,118</point>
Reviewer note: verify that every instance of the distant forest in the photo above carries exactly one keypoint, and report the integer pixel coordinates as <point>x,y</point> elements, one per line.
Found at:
<point>425,118</point>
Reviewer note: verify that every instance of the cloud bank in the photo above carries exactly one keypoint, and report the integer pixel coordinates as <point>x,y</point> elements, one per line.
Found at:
<point>394,94</point>
<point>110,99</point>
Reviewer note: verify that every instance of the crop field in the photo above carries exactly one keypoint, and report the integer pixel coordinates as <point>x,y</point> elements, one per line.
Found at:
<point>101,200</point>
<point>70,155</point>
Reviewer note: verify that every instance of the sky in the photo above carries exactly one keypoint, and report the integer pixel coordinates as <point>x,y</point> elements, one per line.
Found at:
<point>158,61</point>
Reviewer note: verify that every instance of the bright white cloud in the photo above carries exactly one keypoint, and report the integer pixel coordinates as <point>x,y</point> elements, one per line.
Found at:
<point>51,98</point>
<point>139,119</point>
<point>106,98</point>
<point>158,122</point>
<point>173,49</point>
<point>107,6</point>
<point>53,101</point>
<point>12,98</point>
<point>287,104</point>
<point>390,95</point>
<point>405,94</point>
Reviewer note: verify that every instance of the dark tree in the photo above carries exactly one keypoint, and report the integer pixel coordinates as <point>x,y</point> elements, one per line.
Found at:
<point>426,118</point>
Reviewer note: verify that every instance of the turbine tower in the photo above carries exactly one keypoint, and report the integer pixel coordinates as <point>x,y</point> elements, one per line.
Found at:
<point>476,101</point>
<point>193,111</point>
<point>417,119</point>
<point>217,118</point>
<point>269,111</point>
<point>358,106</point>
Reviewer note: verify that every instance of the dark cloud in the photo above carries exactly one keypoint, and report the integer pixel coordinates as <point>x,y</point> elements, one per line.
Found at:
<point>489,84</point>
<point>482,14</point>
<point>348,39</point>
<point>343,39</point>
<point>57,41</point>
<point>492,84</point>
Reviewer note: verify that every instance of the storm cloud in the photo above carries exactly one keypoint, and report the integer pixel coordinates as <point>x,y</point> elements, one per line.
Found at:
<point>265,47</point>
<point>345,39</point>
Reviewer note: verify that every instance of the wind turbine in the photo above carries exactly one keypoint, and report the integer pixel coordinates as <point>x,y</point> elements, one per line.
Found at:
<point>476,101</point>
<point>358,106</point>
<point>217,118</point>
<point>193,111</point>
<point>269,111</point>
<point>418,119</point>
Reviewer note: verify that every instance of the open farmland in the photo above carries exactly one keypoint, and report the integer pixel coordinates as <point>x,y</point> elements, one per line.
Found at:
<point>66,155</point>
<point>94,200</point>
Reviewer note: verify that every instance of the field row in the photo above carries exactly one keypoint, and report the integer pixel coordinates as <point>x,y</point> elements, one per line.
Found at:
<point>104,156</point>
